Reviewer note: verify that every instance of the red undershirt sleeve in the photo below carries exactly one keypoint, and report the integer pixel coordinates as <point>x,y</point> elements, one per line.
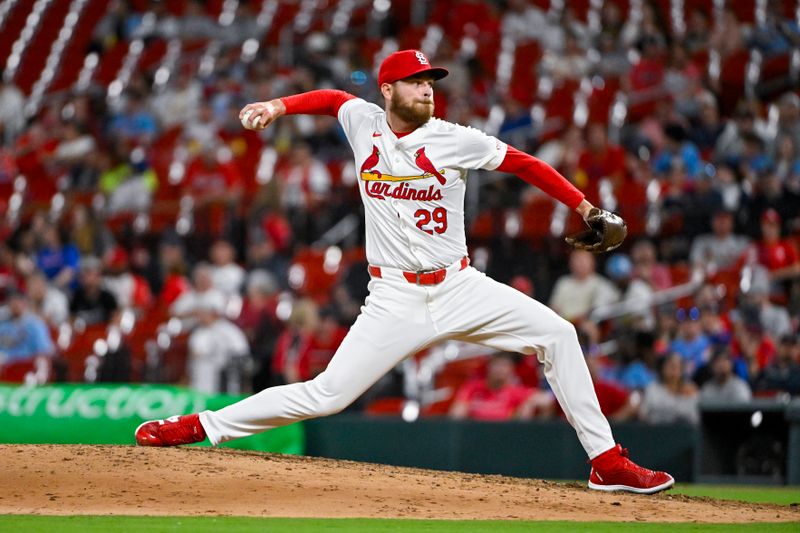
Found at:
<point>321,102</point>
<point>538,173</point>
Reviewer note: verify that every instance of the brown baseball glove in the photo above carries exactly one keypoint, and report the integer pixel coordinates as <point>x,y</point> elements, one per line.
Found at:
<point>606,231</point>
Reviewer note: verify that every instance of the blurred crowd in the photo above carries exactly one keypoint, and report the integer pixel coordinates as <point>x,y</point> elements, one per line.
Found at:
<point>137,212</point>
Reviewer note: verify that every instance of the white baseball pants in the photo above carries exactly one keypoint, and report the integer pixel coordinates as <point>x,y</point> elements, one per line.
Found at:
<point>397,320</point>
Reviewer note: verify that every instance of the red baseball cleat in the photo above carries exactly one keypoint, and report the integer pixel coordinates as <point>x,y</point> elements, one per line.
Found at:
<point>612,470</point>
<point>172,431</point>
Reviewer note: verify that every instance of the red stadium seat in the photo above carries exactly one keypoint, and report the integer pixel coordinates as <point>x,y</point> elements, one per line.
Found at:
<point>15,372</point>
<point>111,62</point>
<point>602,99</point>
<point>392,406</point>
<point>81,347</point>
<point>38,49</point>
<point>745,10</point>
<point>536,218</point>
<point>732,78</point>
<point>71,62</point>
<point>12,28</point>
<point>316,281</point>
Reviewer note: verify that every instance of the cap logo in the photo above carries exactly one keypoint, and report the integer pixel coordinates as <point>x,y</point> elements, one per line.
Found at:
<point>421,58</point>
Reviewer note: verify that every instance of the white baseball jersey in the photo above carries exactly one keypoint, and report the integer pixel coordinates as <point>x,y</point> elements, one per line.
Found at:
<point>413,187</point>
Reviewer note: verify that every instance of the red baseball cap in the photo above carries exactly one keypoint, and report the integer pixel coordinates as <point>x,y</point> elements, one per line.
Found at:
<point>406,63</point>
<point>771,216</point>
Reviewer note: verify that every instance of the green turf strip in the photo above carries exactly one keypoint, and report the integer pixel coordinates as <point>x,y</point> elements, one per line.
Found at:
<point>90,524</point>
<point>745,493</point>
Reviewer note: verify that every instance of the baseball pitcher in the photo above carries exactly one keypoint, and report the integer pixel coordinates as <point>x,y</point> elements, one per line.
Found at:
<point>412,169</point>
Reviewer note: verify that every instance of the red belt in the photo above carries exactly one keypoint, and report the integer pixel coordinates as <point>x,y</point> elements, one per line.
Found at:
<point>430,277</point>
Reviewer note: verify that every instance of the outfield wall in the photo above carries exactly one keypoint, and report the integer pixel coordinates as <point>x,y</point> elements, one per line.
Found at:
<point>757,442</point>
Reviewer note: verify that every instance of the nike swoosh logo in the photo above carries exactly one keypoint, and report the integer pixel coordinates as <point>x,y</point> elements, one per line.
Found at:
<point>376,134</point>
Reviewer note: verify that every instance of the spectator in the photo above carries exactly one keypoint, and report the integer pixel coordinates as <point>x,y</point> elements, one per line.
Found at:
<point>728,35</point>
<point>12,122</point>
<point>616,403</point>
<point>91,303</point>
<point>135,123</point>
<point>130,290</point>
<point>569,64</point>
<point>779,256</point>
<point>724,387</point>
<point>58,261</point>
<point>23,335</point>
<point>496,397</point>
<point>600,160</point>
<point>754,349</point>
<point>789,118</point>
<point>787,163</point>
<point>218,351</point>
<point>755,307</point>
<point>639,369</point>
<point>691,343</point>
<point>292,355</point>
<point>128,185</point>
<point>259,322</point>
<point>46,301</point>
<point>202,292</point>
<point>697,31</point>
<point>776,34</point>
<point>651,26</point>
<point>645,79</point>
<point>169,279</point>
<point>720,250</point>
<point>706,125</point>
<point>327,338</point>
<point>577,293</point>
<point>194,23</point>
<point>74,153</point>
<point>179,104</point>
<point>672,398</point>
<point>678,147</point>
<point>89,233</point>
<point>226,275</point>
<point>715,326</point>
<point>117,24</point>
<point>215,184</point>
<point>730,143</point>
<point>157,22</point>
<point>637,293</point>
<point>682,80</point>
<point>523,22</point>
<point>647,267</point>
<point>732,187</point>
<point>264,254</point>
<point>304,183</point>
<point>783,373</point>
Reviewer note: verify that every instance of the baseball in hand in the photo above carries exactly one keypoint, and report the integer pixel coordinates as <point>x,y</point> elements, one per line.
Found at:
<point>246,120</point>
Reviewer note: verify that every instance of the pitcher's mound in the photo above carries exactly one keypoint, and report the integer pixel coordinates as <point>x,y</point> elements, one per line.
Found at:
<point>102,480</point>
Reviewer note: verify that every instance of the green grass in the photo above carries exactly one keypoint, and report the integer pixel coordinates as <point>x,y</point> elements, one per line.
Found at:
<point>745,493</point>
<point>109,524</point>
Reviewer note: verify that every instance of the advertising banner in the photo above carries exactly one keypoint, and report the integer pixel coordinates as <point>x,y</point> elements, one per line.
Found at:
<point>109,414</point>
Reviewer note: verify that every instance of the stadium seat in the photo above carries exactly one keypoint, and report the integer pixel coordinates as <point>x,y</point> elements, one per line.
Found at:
<point>35,54</point>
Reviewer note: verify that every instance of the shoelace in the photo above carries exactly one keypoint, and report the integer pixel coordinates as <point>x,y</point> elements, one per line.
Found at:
<point>633,466</point>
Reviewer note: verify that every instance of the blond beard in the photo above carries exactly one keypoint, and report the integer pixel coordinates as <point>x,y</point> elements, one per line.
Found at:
<point>415,113</point>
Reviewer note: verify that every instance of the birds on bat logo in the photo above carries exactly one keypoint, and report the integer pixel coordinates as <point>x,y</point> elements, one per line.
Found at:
<point>371,161</point>
<point>420,158</point>
<point>425,164</point>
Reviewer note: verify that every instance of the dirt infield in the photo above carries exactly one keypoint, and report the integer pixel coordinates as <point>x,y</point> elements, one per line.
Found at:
<point>104,480</point>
